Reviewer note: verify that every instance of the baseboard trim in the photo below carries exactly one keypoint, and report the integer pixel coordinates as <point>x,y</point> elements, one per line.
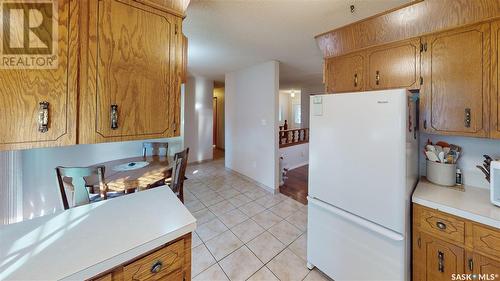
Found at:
<point>261,185</point>
<point>298,165</point>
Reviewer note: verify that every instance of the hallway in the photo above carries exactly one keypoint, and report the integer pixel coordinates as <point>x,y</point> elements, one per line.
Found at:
<point>244,232</point>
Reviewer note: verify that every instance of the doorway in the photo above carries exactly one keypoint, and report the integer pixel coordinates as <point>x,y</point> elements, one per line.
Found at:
<point>215,113</point>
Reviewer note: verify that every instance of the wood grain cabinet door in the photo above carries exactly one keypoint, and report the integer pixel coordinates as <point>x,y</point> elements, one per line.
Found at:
<point>495,92</point>
<point>131,72</point>
<point>345,73</point>
<point>24,88</point>
<point>456,82</point>
<point>483,265</point>
<point>436,260</point>
<point>394,66</point>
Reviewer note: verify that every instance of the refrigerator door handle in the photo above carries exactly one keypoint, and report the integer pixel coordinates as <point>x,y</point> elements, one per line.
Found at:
<point>357,220</point>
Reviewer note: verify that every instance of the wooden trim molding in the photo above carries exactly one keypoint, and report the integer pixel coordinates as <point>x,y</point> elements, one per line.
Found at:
<point>414,20</point>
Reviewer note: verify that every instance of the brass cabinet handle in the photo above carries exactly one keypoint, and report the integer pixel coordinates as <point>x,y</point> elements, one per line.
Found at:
<point>356,80</point>
<point>440,261</point>
<point>471,265</point>
<point>467,118</point>
<point>43,116</point>
<point>114,116</point>
<point>156,267</point>
<point>377,77</point>
<point>441,225</point>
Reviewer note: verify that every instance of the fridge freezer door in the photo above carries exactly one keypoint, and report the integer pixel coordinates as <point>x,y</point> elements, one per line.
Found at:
<point>357,151</point>
<point>346,248</point>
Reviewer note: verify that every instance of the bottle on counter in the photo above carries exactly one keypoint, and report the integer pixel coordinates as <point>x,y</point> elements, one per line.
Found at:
<point>459,179</point>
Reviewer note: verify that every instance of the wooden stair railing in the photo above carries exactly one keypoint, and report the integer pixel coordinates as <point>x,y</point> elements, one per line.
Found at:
<point>293,137</point>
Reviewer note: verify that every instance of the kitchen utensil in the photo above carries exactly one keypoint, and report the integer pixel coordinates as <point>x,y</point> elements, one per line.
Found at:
<point>443,144</point>
<point>431,156</point>
<point>441,157</point>
<point>485,172</point>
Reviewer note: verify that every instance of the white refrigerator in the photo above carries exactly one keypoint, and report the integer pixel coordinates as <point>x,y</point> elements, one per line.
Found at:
<point>363,167</point>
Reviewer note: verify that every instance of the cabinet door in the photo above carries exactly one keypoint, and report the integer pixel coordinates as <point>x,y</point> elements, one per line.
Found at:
<point>483,265</point>
<point>456,83</point>
<point>495,92</point>
<point>23,89</point>
<point>436,260</point>
<point>131,72</point>
<point>394,66</point>
<point>345,73</point>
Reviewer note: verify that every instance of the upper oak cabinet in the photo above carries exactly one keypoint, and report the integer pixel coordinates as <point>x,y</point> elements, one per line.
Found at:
<point>456,82</point>
<point>39,105</point>
<point>132,74</point>
<point>345,73</point>
<point>495,92</point>
<point>394,66</point>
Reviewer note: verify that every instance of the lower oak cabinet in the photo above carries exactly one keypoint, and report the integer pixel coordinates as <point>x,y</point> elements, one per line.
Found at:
<point>447,247</point>
<point>171,262</point>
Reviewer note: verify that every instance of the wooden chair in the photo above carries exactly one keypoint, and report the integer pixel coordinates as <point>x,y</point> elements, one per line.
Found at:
<point>178,172</point>
<point>74,188</point>
<point>155,148</point>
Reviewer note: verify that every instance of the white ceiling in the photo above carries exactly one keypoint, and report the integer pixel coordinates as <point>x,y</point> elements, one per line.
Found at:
<point>227,35</point>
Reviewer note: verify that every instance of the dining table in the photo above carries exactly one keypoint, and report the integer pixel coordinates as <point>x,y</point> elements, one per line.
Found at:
<point>134,173</point>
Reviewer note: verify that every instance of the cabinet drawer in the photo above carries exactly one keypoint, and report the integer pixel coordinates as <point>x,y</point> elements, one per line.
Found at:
<point>441,224</point>
<point>486,240</point>
<point>157,265</point>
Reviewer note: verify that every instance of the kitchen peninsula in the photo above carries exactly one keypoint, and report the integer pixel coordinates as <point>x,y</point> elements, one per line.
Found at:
<point>145,233</point>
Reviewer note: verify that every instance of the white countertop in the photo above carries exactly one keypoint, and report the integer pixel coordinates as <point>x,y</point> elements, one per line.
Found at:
<point>473,203</point>
<point>82,242</point>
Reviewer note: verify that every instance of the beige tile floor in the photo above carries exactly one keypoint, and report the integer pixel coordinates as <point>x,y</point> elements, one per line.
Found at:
<point>244,232</point>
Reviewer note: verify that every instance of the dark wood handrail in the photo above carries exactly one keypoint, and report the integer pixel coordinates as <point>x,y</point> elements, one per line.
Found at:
<point>293,137</point>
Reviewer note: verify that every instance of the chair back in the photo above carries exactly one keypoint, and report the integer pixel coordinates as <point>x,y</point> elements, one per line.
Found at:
<point>178,172</point>
<point>155,148</point>
<point>73,185</point>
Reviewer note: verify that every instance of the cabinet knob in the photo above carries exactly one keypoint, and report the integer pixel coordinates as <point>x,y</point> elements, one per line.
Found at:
<point>156,267</point>
<point>441,225</point>
<point>43,116</point>
<point>356,80</point>
<point>114,116</point>
<point>377,77</point>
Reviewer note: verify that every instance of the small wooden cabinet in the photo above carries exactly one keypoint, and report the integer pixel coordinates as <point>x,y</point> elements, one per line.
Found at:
<point>444,245</point>
<point>171,262</point>
<point>479,264</point>
<point>119,73</point>
<point>394,66</point>
<point>383,67</point>
<point>436,259</point>
<point>456,82</point>
<point>27,94</point>
<point>133,79</point>
<point>345,73</point>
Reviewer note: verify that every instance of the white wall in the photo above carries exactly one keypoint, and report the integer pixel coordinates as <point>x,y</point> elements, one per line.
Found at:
<point>284,107</point>
<point>40,188</point>
<point>252,123</point>
<point>295,156</point>
<point>473,150</point>
<point>306,92</point>
<point>198,118</point>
